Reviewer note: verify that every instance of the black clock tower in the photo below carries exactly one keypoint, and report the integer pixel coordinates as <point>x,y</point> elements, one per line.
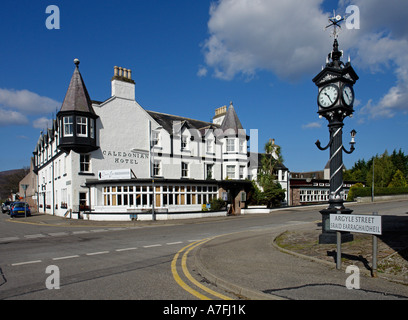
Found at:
<point>335,102</point>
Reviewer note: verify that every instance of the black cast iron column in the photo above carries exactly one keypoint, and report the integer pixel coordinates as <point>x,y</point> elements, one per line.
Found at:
<point>336,200</point>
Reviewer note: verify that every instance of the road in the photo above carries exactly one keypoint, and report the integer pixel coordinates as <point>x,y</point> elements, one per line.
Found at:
<point>132,261</point>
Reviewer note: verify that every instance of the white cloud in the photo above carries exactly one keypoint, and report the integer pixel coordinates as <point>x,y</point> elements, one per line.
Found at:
<point>8,117</point>
<point>27,102</point>
<point>202,71</point>
<point>312,125</point>
<point>42,123</point>
<point>17,105</point>
<point>286,37</point>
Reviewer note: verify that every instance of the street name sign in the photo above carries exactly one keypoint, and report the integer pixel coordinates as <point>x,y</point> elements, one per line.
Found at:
<point>370,224</point>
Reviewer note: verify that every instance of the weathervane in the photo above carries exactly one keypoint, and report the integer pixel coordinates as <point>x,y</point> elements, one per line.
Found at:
<point>335,23</point>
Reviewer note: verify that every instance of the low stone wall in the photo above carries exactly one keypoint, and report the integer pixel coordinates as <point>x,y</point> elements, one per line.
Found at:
<point>382,198</point>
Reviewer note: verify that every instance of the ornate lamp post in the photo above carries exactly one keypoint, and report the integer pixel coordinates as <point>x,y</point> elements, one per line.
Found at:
<point>335,101</point>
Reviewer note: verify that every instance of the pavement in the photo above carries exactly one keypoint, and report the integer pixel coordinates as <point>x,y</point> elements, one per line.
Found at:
<point>252,266</point>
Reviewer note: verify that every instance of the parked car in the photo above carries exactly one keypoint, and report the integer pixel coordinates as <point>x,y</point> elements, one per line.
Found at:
<point>20,209</point>
<point>5,207</point>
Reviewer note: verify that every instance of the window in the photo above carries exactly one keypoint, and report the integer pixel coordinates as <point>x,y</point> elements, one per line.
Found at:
<point>83,201</point>
<point>81,124</point>
<point>231,172</point>
<point>230,145</point>
<point>183,142</point>
<point>155,138</point>
<point>84,162</point>
<point>156,169</point>
<point>141,196</point>
<point>68,126</point>
<point>210,172</point>
<point>92,128</point>
<point>210,146</point>
<point>242,146</point>
<point>241,172</point>
<point>184,169</point>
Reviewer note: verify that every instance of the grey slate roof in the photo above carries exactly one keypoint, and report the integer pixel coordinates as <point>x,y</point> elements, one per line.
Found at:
<point>167,121</point>
<point>77,97</point>
<point>231,121</point>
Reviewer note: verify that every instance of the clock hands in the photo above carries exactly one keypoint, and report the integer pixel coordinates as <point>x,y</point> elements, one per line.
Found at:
<point>328,97</point>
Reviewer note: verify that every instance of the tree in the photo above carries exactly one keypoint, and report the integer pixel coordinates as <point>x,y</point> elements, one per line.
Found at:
<point>9,181</point>
<point>269,162</point>
<point>272,193</point>
<point>398,180</point>
<point>383,171</point>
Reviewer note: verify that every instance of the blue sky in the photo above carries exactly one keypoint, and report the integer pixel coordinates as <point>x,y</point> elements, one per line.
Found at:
<point>189,57</point>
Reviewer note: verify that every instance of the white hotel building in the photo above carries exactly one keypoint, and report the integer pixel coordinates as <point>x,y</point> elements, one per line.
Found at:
<point>114,160</point>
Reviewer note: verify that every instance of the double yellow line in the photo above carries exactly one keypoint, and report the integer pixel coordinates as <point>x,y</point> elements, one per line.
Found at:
<point>187,274</point>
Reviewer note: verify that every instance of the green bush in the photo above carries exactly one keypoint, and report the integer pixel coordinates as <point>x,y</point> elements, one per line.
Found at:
<point>366,192</point>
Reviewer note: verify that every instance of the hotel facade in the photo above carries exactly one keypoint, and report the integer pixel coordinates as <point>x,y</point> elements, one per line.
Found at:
<point>114,160</point>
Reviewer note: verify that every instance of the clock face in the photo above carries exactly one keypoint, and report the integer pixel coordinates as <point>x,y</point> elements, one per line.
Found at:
<point>328,96</point>
<point>348,95</point>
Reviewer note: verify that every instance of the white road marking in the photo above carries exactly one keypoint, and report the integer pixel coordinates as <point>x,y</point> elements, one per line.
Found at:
<point>80,232</point>
<point>26,262</point>
<point>171,243</point>
<point>57,234</point>
<point>9,239</point>
<point>96,253</point>
<point>125,249</point>
<point>67,257</point>
<point>152,245</point>
<point>33,236</point>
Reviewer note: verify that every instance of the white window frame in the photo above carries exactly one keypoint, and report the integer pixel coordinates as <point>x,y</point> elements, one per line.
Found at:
<point>184,142</point>
<point>230,170</point>
<point>156,169</point>
<point>210,146</point>
<point>209,167</point>
<point>92,128</point>
<point>184,170</point>
<point>242,146</point>
<point>155,138</point>
<point>80,126</point>
<point>84,163</point>
<point>242,172</point>
<point>68,126</point>
<point>230,145</point>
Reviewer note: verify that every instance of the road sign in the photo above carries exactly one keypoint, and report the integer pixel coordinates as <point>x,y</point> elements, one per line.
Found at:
<point>370,224</point>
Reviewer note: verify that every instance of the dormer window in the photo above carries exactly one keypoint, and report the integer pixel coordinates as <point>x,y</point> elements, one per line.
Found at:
<point>184,142</point>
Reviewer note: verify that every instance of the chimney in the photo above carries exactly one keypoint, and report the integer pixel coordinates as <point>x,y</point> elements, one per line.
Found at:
<point>219,115</point>
<point>122,84</point>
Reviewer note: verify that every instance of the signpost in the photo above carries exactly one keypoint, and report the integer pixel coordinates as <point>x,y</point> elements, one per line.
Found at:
<point>369,224</point>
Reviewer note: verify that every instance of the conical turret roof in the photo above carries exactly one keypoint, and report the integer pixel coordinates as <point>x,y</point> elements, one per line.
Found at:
<point>77,97</point>
<point>231,121</point>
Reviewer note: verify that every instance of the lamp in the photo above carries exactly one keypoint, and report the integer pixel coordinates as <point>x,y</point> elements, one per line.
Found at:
<point>353,135</point>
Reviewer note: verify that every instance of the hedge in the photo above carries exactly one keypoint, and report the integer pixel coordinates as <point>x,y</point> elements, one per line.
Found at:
<point>367,192</point>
